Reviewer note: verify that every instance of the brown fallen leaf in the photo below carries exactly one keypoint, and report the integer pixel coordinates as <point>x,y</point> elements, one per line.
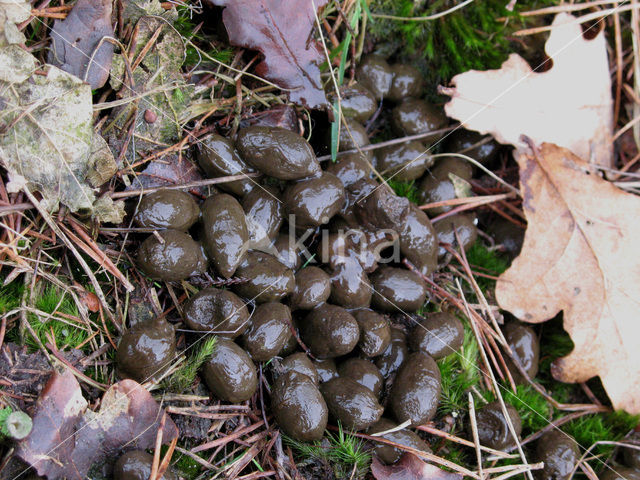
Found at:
<point>580,256</point>
<point>283,116</point>
<point>569,105</point>
<point>283,31</point>
<point>67,439</point>
<point>78,40</point>
<point>170,170</point>
<point>410,467</point>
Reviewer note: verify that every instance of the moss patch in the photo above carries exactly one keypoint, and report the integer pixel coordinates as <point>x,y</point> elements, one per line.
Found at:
<point>469,38</point>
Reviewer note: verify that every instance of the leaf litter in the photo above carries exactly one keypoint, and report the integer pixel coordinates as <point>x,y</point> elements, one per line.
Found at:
<point>578,253</point>
<point>68,438</point>
<point>154,95</point>
<point>11,13</point>
<point>78,42</point>
<point>47,140</point>
<point>156,74</point>
<point>410,467</point>
<point>579,256</point>
<point>283,31</point>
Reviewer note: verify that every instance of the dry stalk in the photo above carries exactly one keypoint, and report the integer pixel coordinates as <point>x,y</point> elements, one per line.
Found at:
<point>449,436</point>
<point>496,387</point>
<point>158,445</point>
<point>52,224</point>
<point>419,453</point>
<point>227,438</point>
<point>474,432</point>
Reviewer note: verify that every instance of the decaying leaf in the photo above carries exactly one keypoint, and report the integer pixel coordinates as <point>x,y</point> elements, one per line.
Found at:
<point>58,410</point>
<point>170,170</point>
<point>134,9</point>
<point>282,116</point>
<point>283,31</point>
<point>24,374</point>
<point>67,439</point>
<point>78,40</point>
<point>580,256</point>
<point>103,164</point>
<point>90,299</point>
<point>410,467</point>
<point>12,12</point>
<point>47,139</point>
<point>105,210</point>
<point>569,105</point>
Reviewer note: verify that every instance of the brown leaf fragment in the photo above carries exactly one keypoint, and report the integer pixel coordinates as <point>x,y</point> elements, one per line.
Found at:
<point>580,256</point>
<point>410,467</point>
<point>167,171</point>
<point>283,116</point>
<point>128,416</point>
<point>67,439</point>
<point>90,300</point>
<point>78,40</point>
<point>58,410</point>
<point>283,31</point>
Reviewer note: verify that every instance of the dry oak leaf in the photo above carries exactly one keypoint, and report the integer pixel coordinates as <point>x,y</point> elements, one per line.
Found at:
<point>570,105</point>
<point>410,467</point>
<point>580,256</point>
<point>283,31</point>
<point>67,438</point>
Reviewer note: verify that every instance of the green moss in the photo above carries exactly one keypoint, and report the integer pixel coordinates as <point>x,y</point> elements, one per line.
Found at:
<point>469,38</point>
<point>533,408</point>
<point>459,373</point>
<point>67,333</point>
<point>344,452</point>
<point>185,25</point>
<point>485,261</point>
<point>480,256</point>
<point>183,378</point>
<point>10,296</point>
<point>405,189</point>
<point>186,467</point>
<point>590,429</point>
<point>4,414</point>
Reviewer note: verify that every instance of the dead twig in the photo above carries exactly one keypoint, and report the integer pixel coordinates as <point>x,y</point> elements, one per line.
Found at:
<point>395,141</point>
<point>474,432</point>
<point>449,436</point>
<point>198,183</point>
<point>228,438</point>
<point>426,456</point>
